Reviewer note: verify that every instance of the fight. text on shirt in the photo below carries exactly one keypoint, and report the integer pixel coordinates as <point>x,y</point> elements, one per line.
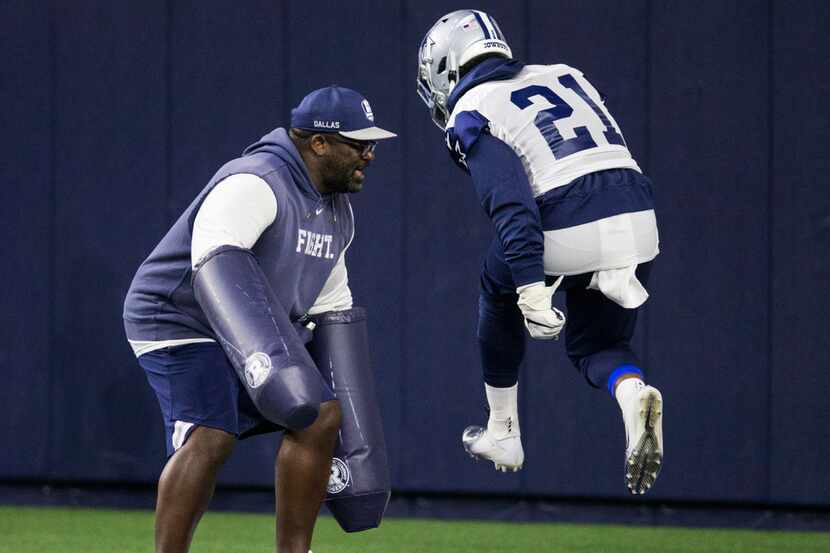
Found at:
<point>313,244</point>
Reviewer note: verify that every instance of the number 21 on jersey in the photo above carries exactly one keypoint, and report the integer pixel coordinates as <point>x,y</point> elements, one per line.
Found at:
<point>546,119</point>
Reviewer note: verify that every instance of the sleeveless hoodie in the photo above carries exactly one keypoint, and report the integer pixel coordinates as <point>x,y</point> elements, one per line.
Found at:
<point>297,252</point>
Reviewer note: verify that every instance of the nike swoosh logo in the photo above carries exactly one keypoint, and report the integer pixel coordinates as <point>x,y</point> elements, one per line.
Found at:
<point>318,211</point>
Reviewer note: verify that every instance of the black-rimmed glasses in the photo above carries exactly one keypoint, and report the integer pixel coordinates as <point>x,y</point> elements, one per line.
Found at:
<point>364,148</point>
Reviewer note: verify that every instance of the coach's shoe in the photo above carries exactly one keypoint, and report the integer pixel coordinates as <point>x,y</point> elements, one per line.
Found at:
<point>643,418</point>
<point>506,453</point>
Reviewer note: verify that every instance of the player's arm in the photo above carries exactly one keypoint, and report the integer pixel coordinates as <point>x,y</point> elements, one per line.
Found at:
<point>244,312</point>
<point>503,189</point>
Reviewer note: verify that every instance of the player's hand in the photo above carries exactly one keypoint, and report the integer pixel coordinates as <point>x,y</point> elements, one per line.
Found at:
<point>543,321</point>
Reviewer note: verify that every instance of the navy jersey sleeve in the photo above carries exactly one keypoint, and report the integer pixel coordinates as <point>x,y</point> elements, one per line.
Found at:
<point>462,136</point>
<point>504,191</point>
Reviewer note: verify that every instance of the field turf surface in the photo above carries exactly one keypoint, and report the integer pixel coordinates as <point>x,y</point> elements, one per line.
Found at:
<point>53,530</point>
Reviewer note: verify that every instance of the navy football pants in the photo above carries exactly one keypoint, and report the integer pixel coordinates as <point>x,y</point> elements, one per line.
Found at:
<point>597,332</point>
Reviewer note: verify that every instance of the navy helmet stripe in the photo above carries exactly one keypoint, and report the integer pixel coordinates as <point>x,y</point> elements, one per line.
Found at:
<point>496,29</point>
<point>482,25</point>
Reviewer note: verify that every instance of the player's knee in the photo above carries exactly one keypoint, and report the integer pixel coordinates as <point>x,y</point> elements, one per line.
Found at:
<point>212,444</point>
<point>330,418</point>
<point>578,361</point>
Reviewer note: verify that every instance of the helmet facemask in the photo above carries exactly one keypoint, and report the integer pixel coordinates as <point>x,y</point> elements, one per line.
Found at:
<point>435,82</point>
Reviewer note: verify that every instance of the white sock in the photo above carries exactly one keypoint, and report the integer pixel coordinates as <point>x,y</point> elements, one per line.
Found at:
<point>627,389</point>
<point>504,411</point>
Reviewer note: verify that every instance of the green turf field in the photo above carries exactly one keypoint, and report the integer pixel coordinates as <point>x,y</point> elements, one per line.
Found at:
<point>48,530</point>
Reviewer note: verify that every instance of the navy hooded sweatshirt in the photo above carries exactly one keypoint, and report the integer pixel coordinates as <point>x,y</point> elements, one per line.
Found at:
<point>297,252</point>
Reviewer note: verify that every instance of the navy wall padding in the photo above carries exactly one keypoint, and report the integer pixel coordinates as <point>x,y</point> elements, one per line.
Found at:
<point>798,232</point>
<point>108,184</point>
<point>709,98</point>
<point>115,115</point>
<point>26,221</point>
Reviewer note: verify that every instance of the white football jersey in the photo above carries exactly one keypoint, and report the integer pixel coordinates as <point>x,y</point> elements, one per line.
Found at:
<point>554,120</point>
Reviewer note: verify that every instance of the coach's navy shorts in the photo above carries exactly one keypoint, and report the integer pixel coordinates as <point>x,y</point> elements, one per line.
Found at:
<point>196,386</point>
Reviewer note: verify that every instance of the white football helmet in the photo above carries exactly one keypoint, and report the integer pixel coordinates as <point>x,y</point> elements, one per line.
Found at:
<point>456,39</point>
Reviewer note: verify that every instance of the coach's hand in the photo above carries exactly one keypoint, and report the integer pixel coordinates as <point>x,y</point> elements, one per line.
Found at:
<point>543,321</point>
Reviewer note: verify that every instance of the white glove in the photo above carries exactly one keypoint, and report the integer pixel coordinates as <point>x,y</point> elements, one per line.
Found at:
<point>543,321</point>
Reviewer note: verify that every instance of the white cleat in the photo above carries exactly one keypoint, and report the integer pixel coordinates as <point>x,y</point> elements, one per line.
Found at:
<point>644,440</point>
<point>506,453</point>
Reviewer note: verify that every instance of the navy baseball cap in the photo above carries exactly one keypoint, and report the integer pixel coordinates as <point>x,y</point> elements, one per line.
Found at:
<point>339,110</point>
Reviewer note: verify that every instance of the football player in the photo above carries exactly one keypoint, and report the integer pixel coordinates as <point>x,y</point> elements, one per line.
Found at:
<point>572,212</point>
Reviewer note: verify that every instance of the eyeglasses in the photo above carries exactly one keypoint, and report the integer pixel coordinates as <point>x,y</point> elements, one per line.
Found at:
<point>364,148</point>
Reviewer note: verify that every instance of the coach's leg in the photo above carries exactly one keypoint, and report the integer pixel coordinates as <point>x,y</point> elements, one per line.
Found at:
<point>186,486</point>
<point>303,470</point>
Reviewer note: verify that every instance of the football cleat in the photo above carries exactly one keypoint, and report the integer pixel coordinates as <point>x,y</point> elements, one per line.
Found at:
<point>644,440</point>
<point>506,453</point>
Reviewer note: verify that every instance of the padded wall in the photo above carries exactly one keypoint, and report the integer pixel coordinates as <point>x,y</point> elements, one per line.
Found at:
<point>116,114</point>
